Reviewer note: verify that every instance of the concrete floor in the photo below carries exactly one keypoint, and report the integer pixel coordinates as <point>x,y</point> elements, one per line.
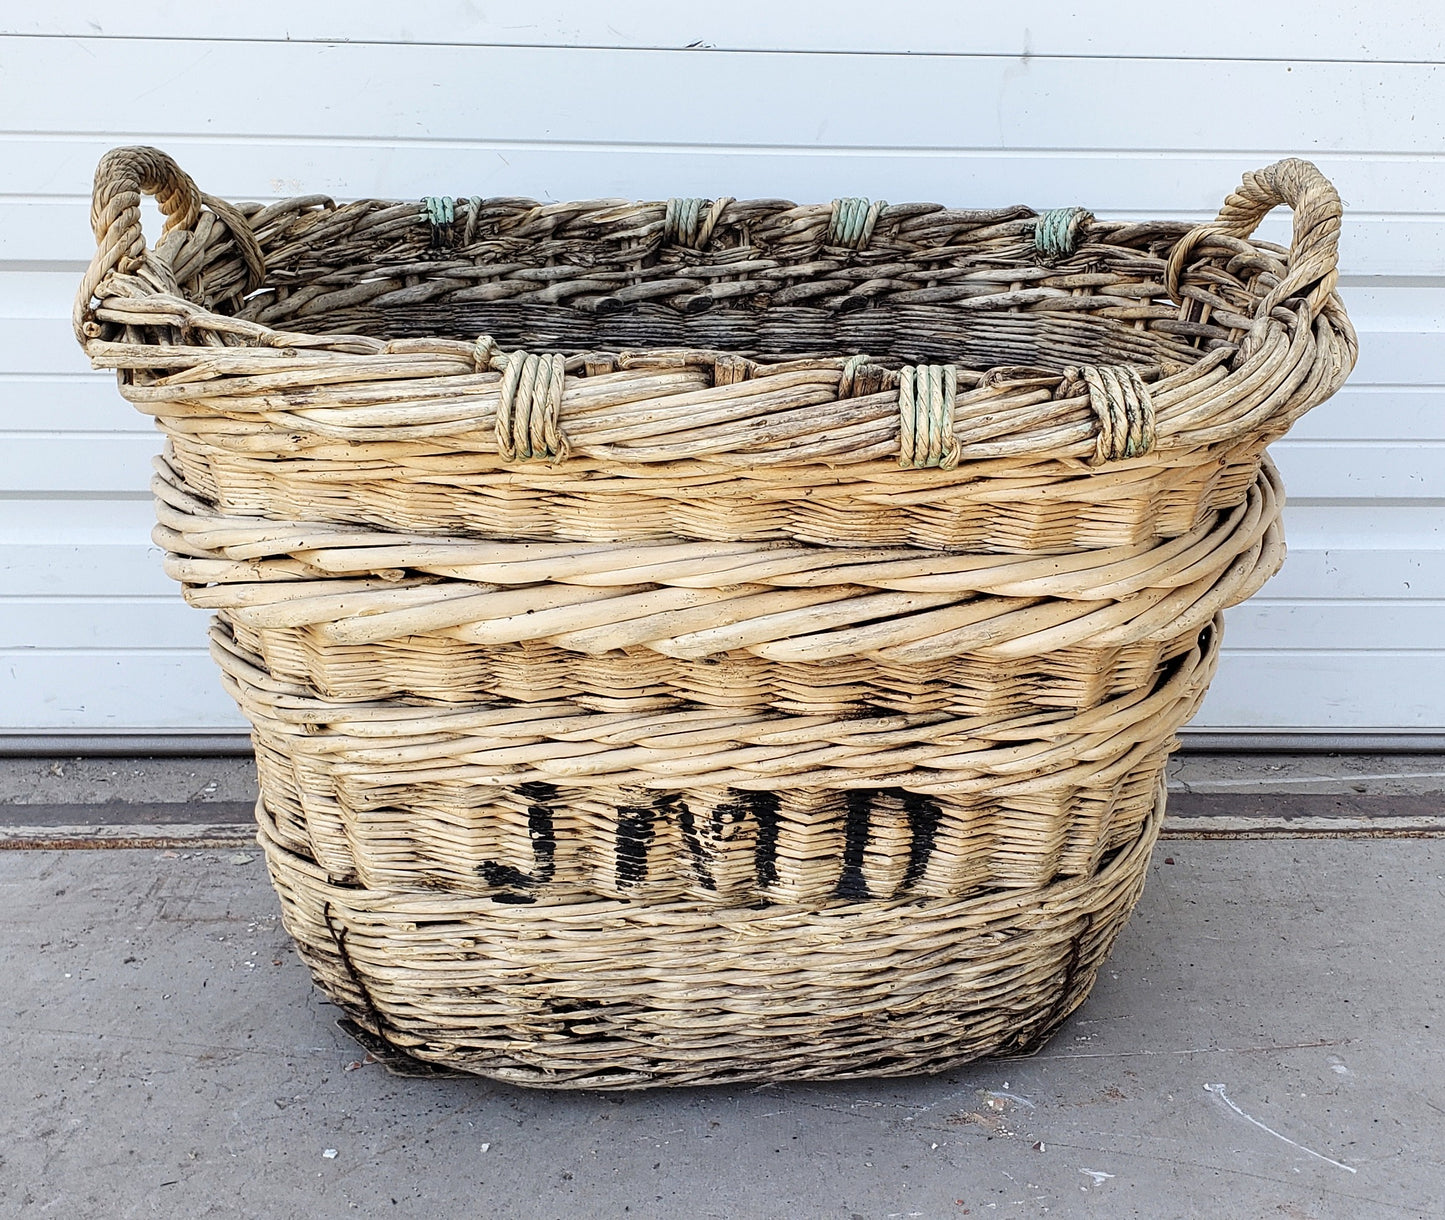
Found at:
<point>1265,1042</point>
<point>91,781</point>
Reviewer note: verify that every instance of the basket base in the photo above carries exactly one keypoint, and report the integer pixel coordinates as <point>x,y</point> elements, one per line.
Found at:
<point>397,1062</point>
<point>612,995</point>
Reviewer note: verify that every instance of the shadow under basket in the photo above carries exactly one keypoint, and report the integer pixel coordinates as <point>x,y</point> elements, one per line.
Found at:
<point>605,994</point>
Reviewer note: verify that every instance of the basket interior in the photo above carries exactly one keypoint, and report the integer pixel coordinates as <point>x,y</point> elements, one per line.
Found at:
<point>932,285</point>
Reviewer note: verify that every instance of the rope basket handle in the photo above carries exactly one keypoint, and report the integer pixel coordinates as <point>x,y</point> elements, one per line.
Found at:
<point>1314,249</point>
<point>123,175</point>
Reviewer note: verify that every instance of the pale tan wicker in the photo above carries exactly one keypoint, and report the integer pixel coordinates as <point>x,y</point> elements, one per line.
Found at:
<point>650,687</point>
<point>1059,361</point>
<point>551,800</point>
<point>740,625</point>
<point>601,994</point>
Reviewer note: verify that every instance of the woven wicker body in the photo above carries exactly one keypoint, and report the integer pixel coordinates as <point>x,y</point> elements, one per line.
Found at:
<point>648,685</point>
<point>553,800</point>
<point>602,994</point>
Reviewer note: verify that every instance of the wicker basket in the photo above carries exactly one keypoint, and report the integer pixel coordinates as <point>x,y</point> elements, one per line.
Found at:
<point>692,696</point>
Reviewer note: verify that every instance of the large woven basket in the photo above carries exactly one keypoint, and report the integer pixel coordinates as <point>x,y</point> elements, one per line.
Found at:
<point>711,640</point>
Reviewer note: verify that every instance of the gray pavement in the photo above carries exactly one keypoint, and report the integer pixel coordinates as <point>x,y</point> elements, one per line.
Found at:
<point>90,781</point>
<point>1370,775</point>
<point>1265,1042</point>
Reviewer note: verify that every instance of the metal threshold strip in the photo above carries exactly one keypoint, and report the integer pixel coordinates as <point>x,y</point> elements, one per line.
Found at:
<point>170,744</point>
<point>116,824</point>
<point>1294,815</point>
<point>1192,815</point>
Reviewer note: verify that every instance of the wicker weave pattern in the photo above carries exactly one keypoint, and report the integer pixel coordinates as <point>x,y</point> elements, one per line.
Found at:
<point>628,679</point>
<point>557,799</point>
<point>603,994</point>
<point>1006,510</point>
<point>405,432</point>
<point>739,626</point>
<point>711,639</point>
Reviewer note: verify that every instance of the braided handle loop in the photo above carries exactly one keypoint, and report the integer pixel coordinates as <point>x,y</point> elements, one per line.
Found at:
<point>1314,250</point>
<point>122,176</point>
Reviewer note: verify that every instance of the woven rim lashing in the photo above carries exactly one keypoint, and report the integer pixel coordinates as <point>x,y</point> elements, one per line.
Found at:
<point>602,994</point>
<point>745,626</point>
<point>843,374</point>
<point>556,801</point>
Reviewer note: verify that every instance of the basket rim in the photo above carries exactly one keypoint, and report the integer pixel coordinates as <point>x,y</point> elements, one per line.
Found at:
<point>1299,346</point>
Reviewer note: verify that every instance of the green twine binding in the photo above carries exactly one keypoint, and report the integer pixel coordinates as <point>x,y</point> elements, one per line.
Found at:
<point>1125,411</point>
<point>852,222</point>
<point>690,222</point>
<point>528,404</point>
<point>680,221</point>
<point>1057,231</point>
<point>441,214</point>
<point>440,210</point>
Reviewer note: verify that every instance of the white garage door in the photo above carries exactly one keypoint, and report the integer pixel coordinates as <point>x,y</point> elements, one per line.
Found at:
<point>1145,115</point>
